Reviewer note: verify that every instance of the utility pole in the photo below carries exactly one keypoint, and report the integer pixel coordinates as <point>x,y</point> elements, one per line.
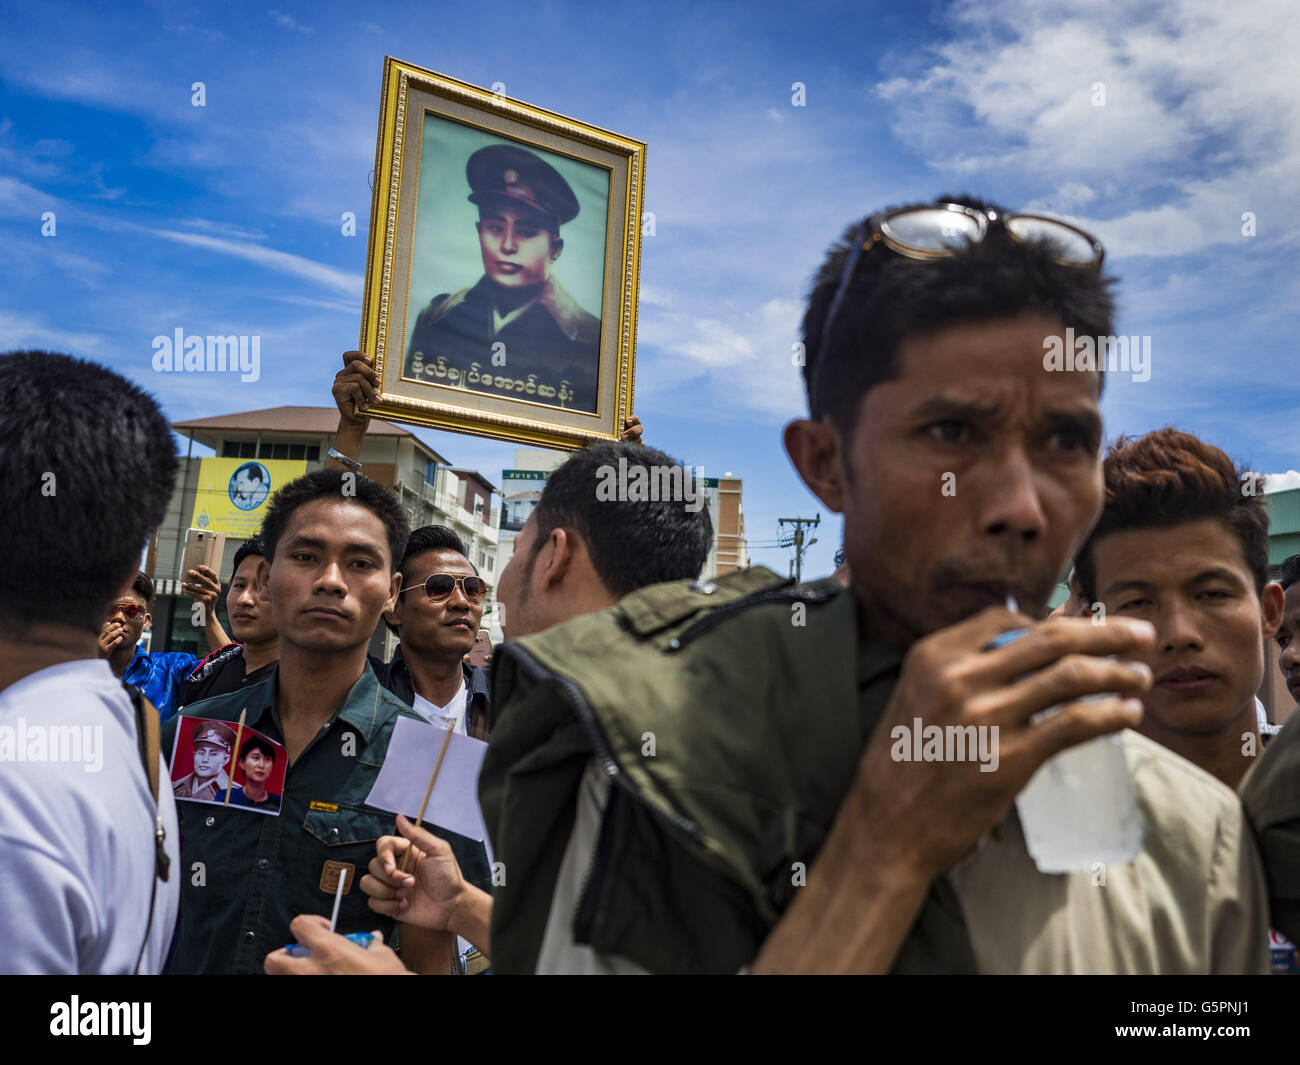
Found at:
<point>798,542</point>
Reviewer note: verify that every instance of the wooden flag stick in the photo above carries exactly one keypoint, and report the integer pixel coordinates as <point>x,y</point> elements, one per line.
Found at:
<point>234,755</point>
<point>406,858</point>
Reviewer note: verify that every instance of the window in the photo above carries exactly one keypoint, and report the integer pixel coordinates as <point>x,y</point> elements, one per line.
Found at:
<point>431,473</point>
<point>248,449</point>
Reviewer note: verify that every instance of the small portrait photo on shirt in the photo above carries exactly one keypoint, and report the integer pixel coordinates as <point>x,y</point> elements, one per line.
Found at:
<point>215,762</point>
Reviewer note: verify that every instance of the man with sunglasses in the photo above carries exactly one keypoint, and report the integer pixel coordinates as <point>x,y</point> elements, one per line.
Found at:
<point>159,675</point>
<point>437,616</point>
<point>775,797</point>
<point>579,552</point>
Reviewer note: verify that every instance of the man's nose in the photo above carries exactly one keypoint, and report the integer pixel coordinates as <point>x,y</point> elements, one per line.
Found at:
<point>331,579</point>
<point>1177,628</point>
<point>509,243</point>
<point>1014,506</point>
<point>1290,657</point>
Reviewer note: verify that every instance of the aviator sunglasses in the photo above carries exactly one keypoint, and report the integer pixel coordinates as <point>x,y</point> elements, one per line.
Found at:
<point>942,230</point>
<point>439,586</point>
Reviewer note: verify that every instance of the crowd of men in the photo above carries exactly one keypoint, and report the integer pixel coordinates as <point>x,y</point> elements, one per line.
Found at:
<point>681,775</point>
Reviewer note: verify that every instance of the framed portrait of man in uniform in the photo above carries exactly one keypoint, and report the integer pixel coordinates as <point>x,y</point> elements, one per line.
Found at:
<point>501,280</point>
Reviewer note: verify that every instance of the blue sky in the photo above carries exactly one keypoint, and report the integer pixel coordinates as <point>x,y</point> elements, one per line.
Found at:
<point>225,219</point>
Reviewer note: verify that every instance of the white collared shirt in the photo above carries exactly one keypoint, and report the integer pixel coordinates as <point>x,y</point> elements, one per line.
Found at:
<point>77,828</point>
<point>450,716</point>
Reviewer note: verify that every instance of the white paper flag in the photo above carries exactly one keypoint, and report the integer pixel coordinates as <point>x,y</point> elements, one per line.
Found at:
<point>404,776</point>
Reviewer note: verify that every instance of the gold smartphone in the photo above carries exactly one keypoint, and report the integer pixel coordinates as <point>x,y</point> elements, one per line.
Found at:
<point>203,547</point>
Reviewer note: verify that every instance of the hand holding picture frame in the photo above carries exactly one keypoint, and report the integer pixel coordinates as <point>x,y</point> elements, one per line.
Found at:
<point>501,280</point>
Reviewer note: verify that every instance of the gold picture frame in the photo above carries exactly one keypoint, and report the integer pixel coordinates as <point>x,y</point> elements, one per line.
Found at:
<point>555,204</point>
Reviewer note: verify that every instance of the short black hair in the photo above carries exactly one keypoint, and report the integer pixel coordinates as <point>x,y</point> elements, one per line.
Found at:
<point>1290,572</point>
<point>432,538</point>
<point>143,587</point>
<point>632,543</point>
<point>256,743</point>
<point>893,297</point>
<point>331,484</point>
<point>67,486</point>
<point>428,538</point>
<point>254,470</point>
<point>250,548</point>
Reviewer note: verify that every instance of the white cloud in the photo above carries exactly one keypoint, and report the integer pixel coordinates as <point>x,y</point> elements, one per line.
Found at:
<point>19,330</point>
<point>18,200</point>
<point>287,22</point>
<point>691,362</point>
<point>652,296</point>
<point>339,280</point>
<point>1190,87</point>
<point>342,306</point>
<point>223,229</point>
<point>1282,482</point>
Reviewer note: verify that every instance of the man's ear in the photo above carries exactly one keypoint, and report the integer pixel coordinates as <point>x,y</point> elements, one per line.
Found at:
<point>262,580</point>
<point>557,246</point>
<point>816,449</point>
<point>556,557</point>
<point>394,586</point>
<point>148,620</point>
<point>1272,601</point>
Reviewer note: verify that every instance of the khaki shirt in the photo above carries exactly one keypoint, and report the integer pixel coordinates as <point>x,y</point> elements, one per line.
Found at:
<point>1192,901</point>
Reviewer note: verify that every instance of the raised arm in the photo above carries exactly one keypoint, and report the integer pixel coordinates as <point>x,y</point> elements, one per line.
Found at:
<point>354,389</point>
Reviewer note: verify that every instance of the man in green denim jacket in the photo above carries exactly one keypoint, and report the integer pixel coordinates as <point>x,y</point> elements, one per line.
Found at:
<point>332,541</point>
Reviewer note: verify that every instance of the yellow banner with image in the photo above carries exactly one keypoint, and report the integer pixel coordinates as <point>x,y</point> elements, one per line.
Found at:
<point>232,494</point>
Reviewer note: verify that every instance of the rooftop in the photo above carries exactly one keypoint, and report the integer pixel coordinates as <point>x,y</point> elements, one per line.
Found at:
<point>301,421</point>
<point>476,476</point>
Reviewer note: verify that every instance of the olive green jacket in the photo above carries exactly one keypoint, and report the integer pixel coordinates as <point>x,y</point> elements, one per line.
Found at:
<point>1271,792</point>
<point>730,717</point>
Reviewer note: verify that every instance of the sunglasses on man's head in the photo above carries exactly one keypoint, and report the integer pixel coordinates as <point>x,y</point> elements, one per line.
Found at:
<point>439,586</point>
<point>130,611</point>
<point>943,230</point>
